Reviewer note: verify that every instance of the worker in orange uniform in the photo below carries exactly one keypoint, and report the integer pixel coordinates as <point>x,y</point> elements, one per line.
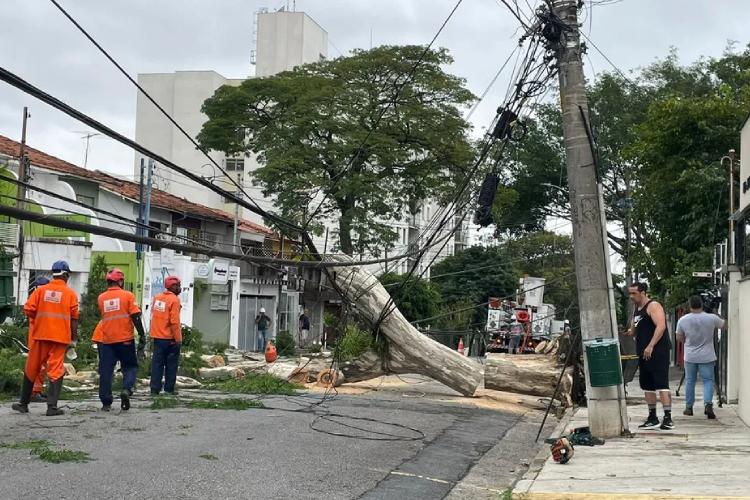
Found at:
<point>115,339</point>
<point>54,310</point>
<point>37,394</point>
<point>166,333</point>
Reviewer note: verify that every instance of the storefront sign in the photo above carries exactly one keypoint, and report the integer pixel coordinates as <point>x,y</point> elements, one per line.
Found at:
<point>219,272</point>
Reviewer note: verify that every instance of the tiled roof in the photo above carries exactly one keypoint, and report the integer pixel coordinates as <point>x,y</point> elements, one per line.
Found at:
<point>126,188</point>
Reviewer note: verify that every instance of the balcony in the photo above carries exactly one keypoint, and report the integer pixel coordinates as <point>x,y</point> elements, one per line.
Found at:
<point>8,234</point>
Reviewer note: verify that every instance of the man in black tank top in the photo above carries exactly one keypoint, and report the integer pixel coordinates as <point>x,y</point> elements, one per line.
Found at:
<point>649,326</point>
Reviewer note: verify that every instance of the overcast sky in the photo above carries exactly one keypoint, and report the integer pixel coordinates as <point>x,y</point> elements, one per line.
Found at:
<point>40,45</point>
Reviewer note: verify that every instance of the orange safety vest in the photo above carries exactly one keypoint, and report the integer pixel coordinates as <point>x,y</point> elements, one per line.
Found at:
<point>51,310</point>
<point>165,317</point>
<point>116,306</point>
<point>30,339</point>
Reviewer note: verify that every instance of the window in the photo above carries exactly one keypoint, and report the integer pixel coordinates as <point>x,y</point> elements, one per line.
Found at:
<point>235,164</point>
<point>88,200</point>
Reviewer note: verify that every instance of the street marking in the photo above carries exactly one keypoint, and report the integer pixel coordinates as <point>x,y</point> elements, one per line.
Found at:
<point>408,474</point>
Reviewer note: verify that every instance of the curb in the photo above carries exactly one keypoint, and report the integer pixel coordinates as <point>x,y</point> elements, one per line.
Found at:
<point>521,488</point>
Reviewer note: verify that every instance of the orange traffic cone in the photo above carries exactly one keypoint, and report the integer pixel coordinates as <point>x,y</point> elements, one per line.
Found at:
<point>270,352</point>
<point>461,345</point>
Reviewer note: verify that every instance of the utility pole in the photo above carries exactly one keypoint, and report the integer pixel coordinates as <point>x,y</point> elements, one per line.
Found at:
<point>140,230</point>
<point>147,202</point>
<point>730,236</point>
<point>606,408</point>
<point>235,231</point>
<point>23,176</point>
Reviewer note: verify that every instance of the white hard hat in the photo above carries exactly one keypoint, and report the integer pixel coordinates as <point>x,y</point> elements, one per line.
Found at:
<point>513,317</point>
<point>262,310</point>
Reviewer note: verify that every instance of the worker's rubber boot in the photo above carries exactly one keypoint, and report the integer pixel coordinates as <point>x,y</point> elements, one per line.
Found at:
<point>26,389</point>
<point>54,394</point>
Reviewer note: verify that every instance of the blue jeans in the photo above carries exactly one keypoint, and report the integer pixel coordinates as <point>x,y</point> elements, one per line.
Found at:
<point>707,375</point>
<point>109,354</point>
<point>262,339</point>
<point>164,363</point>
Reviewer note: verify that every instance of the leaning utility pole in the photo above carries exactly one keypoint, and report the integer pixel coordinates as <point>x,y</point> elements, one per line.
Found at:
<point>606,405</point>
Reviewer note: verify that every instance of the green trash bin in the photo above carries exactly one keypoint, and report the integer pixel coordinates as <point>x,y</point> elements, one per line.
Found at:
<point>603,356</point>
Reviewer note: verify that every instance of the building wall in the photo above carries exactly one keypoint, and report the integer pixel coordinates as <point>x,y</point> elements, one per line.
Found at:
<point>286,40</point>
<point>743,388</point>
<point>215,325</point>
<point>740,367</point>
<point>117,204</point>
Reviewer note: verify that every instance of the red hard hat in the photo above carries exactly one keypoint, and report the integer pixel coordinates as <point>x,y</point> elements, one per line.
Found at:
<point>171,280</point>
<point>115,275</point>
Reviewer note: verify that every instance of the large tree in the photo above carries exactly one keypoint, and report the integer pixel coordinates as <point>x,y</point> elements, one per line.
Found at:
<point>372,134</point>
<point>659,137</point>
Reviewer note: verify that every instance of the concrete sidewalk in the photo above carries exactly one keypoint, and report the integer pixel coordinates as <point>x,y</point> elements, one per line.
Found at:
<point>699,459</point>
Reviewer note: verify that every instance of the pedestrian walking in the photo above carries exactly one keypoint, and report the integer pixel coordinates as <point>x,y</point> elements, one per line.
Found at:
<point>116,341</point>
<point>516,336</point>
<point>696,330</point>
<point>53,309</point>
<point>166,332</point>
<point>649,325</point>
<point>304,328</point>
<point>37,394</point>
<point>263,322</point>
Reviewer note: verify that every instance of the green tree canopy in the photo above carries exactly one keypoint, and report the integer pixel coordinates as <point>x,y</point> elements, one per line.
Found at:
<point>472,276</point>
<point>419,299</point>
<point>318,131</point>
<point>660,135</point>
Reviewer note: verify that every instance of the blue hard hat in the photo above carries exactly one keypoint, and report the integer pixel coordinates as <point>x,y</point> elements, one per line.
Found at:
<point>60,266</point>
<point>41,280</point>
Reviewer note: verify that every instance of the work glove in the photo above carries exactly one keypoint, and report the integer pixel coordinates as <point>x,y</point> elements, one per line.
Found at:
<point>141,351</point>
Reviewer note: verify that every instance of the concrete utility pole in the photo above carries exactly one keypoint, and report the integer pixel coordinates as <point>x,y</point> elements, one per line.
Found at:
<point>147,202</point>
<point>23,176</point>
<point>606,408</point>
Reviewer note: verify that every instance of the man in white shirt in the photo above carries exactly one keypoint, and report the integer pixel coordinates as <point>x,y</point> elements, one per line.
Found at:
<point>696,331</point>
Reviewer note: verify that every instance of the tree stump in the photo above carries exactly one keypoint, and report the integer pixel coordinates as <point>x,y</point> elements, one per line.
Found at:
<point>409,351</point>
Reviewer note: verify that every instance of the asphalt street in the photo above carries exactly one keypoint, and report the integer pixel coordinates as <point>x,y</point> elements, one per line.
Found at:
<point>414,445</point>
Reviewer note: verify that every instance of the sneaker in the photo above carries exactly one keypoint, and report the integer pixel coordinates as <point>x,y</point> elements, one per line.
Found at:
<point>650,423</point>
<point>688,412</point>
<point>667,424</point>
<point>125,400</point>
<point>709,412</point>
<point>106,407</point>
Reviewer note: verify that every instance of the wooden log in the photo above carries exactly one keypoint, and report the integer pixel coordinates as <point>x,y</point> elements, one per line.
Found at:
<point>409,351</point>
<point>533,374</point>
<point>221,372</point>
<point>213,360</point>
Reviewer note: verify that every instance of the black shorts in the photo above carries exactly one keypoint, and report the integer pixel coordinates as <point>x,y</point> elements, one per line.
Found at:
<point>654,373</point>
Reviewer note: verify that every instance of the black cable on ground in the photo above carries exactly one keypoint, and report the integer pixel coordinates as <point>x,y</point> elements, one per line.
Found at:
<point>571,350</point>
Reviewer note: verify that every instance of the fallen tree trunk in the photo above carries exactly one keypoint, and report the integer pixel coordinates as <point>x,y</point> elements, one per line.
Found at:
<point>533,374</point>
<point>409,351</point>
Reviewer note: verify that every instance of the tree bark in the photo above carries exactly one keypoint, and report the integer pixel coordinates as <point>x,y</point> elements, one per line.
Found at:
<point>409,351</point>
<point>534,374</point>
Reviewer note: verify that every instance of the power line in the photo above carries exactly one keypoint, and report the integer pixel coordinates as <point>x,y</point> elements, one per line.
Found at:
<point>390,102</point>
<point>617,69</point>
<point>158,106</point>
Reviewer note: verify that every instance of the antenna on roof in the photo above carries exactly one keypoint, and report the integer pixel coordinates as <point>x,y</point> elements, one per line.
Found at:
<point>86,135</point>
